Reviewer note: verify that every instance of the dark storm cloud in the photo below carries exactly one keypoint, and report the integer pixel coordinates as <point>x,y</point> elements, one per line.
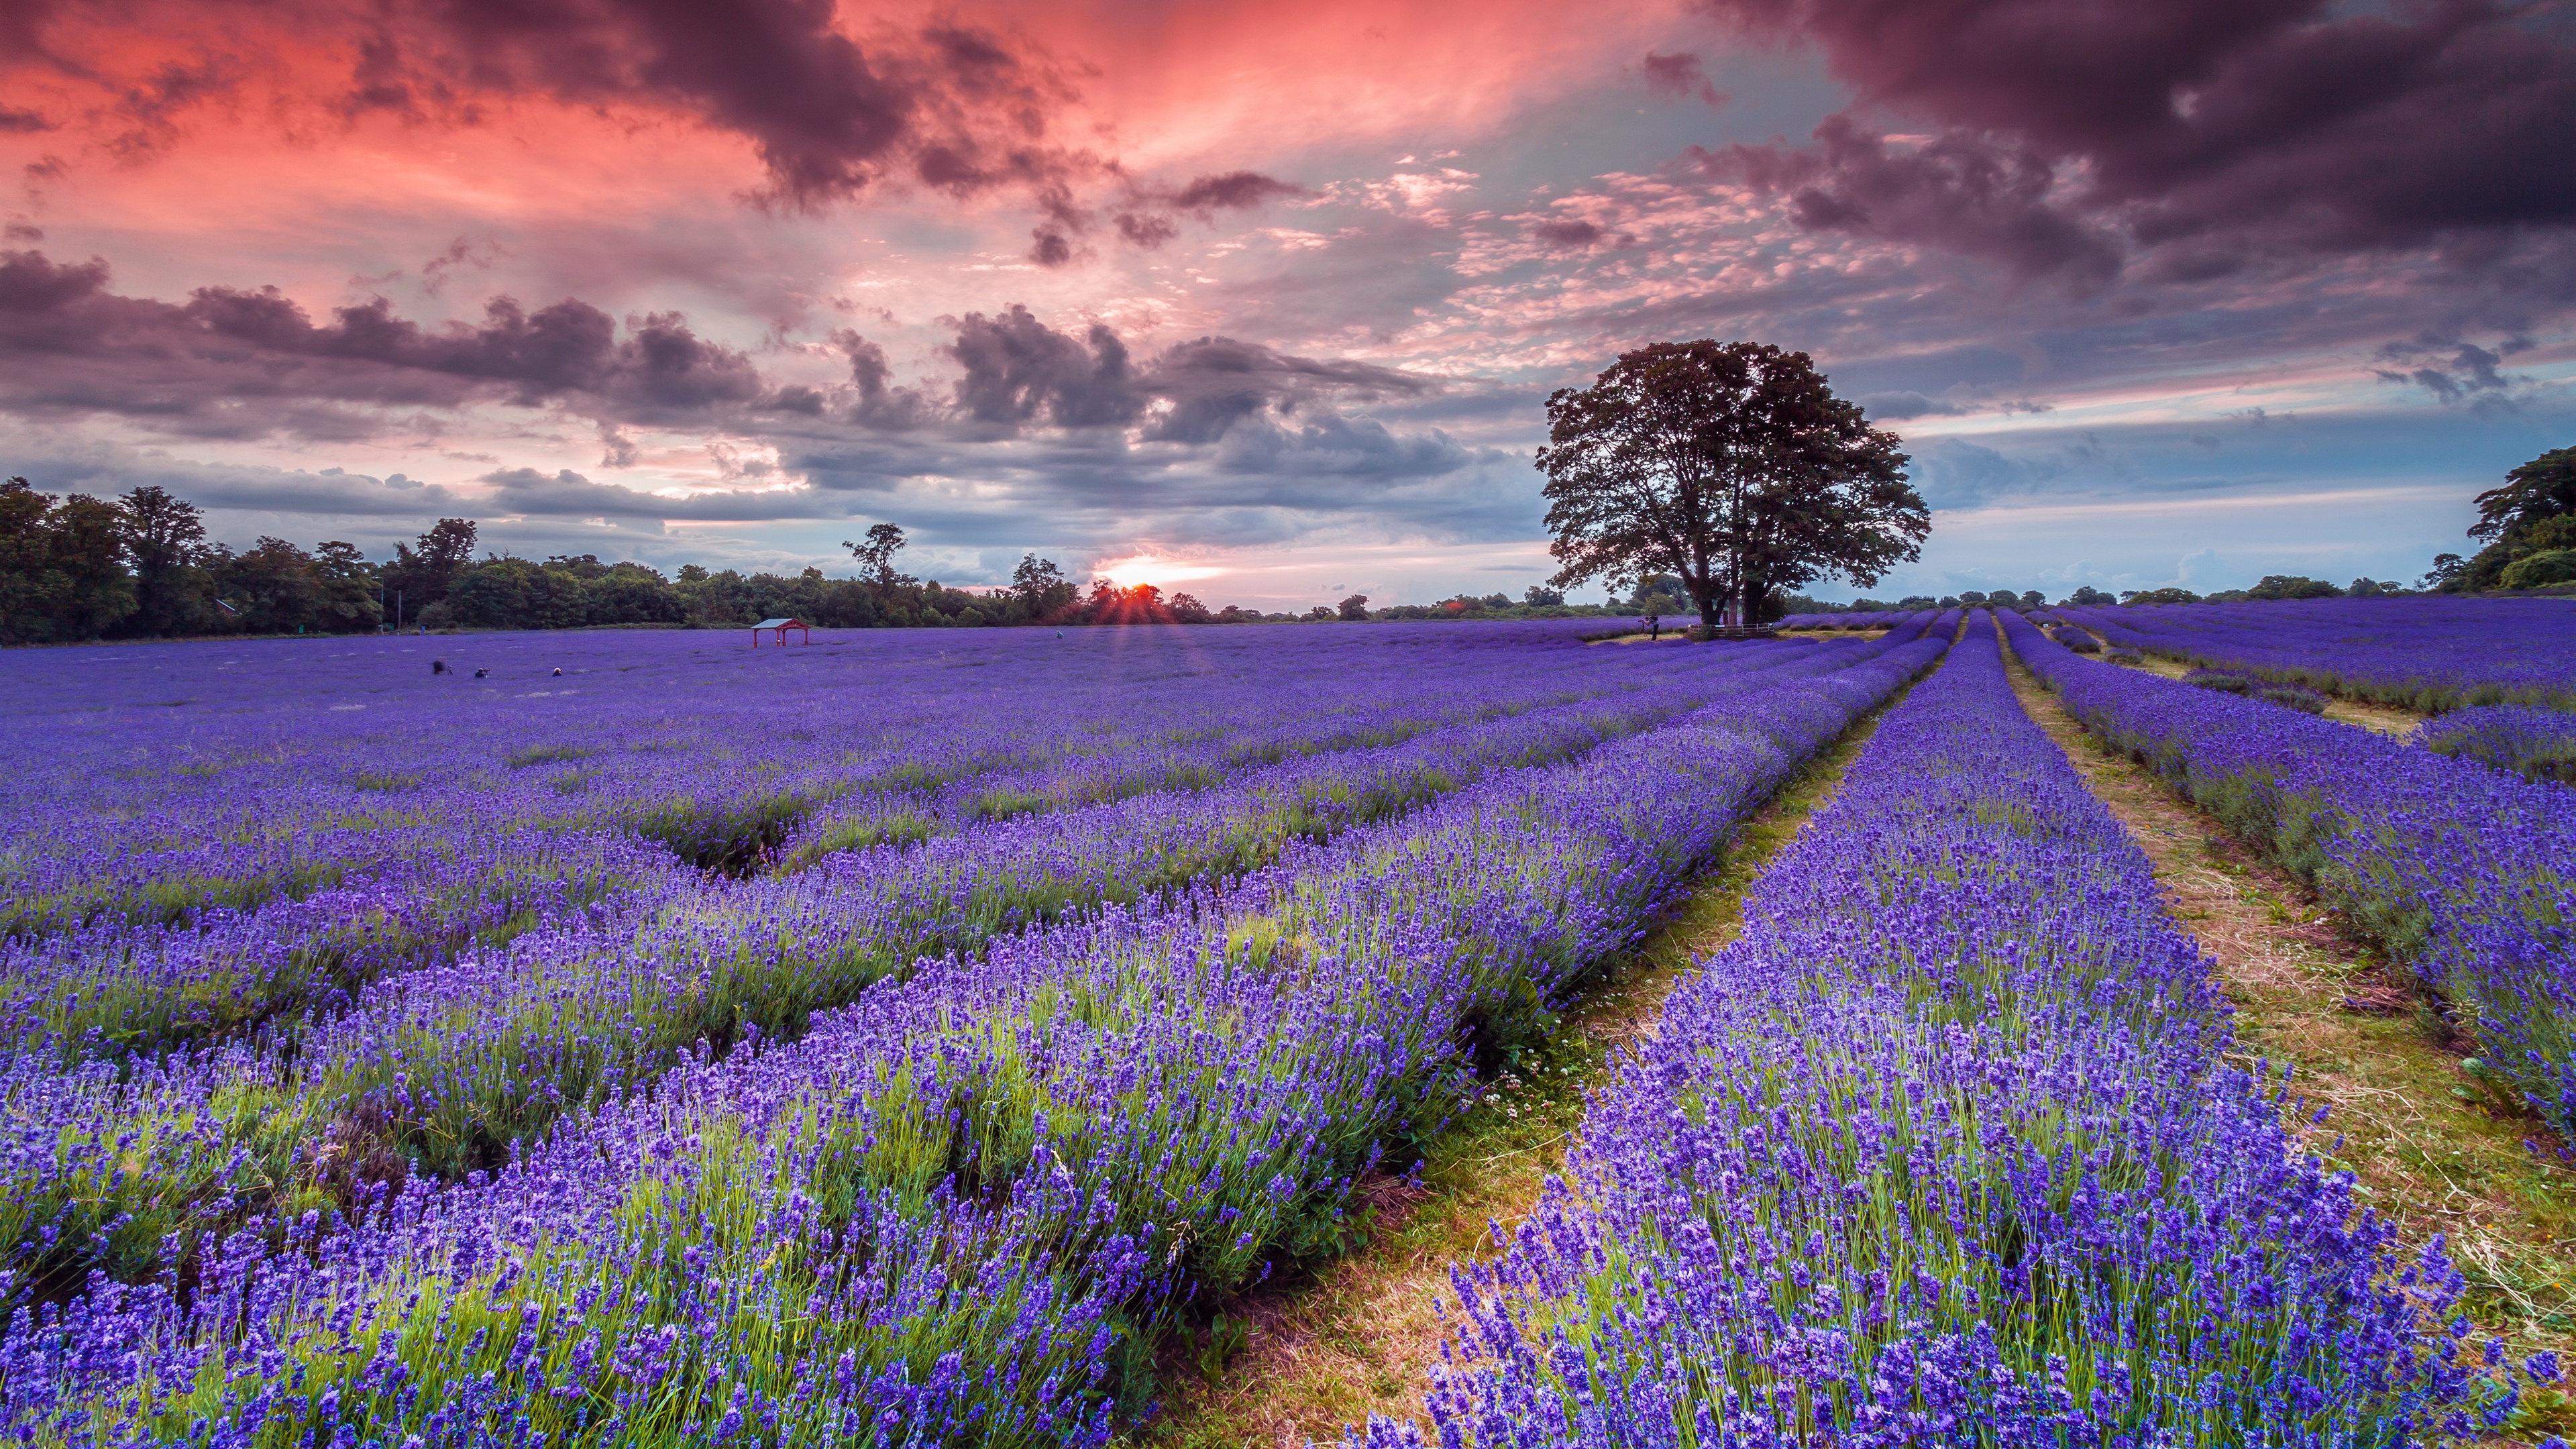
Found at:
<point>234,362</point>
<point>2210,133</point>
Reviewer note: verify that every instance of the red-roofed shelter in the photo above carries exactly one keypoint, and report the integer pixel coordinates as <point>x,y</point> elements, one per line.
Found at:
<point>780,628</point>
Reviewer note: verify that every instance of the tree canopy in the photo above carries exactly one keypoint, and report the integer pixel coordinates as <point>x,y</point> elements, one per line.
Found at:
<point>1732,467</point>
<point>2533,513</point>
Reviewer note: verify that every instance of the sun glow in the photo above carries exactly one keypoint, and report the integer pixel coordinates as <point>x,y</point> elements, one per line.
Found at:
<point>1146,568</point>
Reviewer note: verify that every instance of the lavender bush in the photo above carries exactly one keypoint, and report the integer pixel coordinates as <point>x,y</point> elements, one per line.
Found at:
<point>2254,686</point>
<point>2539,743</point>
<point>1944,1150</point>
<point>2468,874</point>
<point>2422,653</point>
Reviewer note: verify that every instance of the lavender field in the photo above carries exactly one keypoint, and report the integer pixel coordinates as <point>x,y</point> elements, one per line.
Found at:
<point>634,1037</point>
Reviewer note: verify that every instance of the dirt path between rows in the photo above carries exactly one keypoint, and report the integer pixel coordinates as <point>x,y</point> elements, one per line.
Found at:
<point>2387,719</point>
<point>1298,1365</point>
<point>2425,1146</point>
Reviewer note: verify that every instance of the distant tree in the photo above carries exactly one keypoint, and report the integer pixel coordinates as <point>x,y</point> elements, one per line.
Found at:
<point>164,537</point>
<point>2446,567</point>
<point>2365,587</point>
<point>1042,589</point>
<point>2159,596</point>
<point>2088,597</point>
<point>62,566</point>
<point>876,556</point>
<point>2534,512</point>
<point>1355,607</point>
<point>419,577</point>
<point>2033,598</point>
<point>2541,489</point>
<point>1662,594</point>
<point>2292,586</point>
<point>1321,612</point>
<point>29,592</point>
<point>1540,596</point>
<point>1950,602</point>
<point>1732,467</point>
<point>272,586</point>
<point>1972,596</point>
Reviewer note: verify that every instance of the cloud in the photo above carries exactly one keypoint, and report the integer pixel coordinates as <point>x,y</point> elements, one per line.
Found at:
<point>1679,76</point>
<point>1576,234</point>
<point>2468,374</point>
<point>2210,133</point>
<point>1017,368</point>
<point>235,362</point>
<point>1959,193</point>
<point>1151,215</point>
<point>1213,383</point>
<point>1901,406</point>
<point>567,494</point>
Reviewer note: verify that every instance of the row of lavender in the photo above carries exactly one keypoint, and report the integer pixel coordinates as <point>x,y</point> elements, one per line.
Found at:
<point>957,1208</point>
<point>238,1068</point>
<point>1944,1150</point>
<point>1888,620</point>
<point>477,880</point>
<point>2423,653</point>
<point>2467,873</point>
<point>155,782</point>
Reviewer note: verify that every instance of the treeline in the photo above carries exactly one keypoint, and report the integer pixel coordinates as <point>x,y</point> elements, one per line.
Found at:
<point>141,566</point>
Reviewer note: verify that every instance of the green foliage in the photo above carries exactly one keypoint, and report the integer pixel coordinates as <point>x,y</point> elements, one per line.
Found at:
<point>2292,586</point>
<point>2537,570</point>
<point>1732,467</point>
<point>62,571</point>
<point>2533,513</point>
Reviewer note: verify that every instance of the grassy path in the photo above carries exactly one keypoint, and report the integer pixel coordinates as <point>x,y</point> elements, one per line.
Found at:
<point>2427,1148</point>
<point>1298,1364</point>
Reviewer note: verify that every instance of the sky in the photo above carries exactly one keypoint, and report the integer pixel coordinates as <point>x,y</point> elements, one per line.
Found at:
<point>1264,302</point>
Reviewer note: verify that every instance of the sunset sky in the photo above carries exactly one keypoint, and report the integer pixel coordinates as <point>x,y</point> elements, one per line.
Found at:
<point>1263,301</point>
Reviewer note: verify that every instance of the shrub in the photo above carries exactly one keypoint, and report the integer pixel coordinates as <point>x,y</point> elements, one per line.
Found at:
<point>2557,566</point>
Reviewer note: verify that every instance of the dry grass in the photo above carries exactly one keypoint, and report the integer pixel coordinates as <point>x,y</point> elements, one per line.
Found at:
<point>2427,1147</point>
<point>1299,1363</point>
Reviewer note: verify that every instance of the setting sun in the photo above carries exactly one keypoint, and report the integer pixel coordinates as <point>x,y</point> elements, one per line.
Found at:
<point>1162,573</point>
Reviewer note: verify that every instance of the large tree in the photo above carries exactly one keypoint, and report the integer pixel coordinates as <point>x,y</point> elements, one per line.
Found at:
<point>1731,466</point>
